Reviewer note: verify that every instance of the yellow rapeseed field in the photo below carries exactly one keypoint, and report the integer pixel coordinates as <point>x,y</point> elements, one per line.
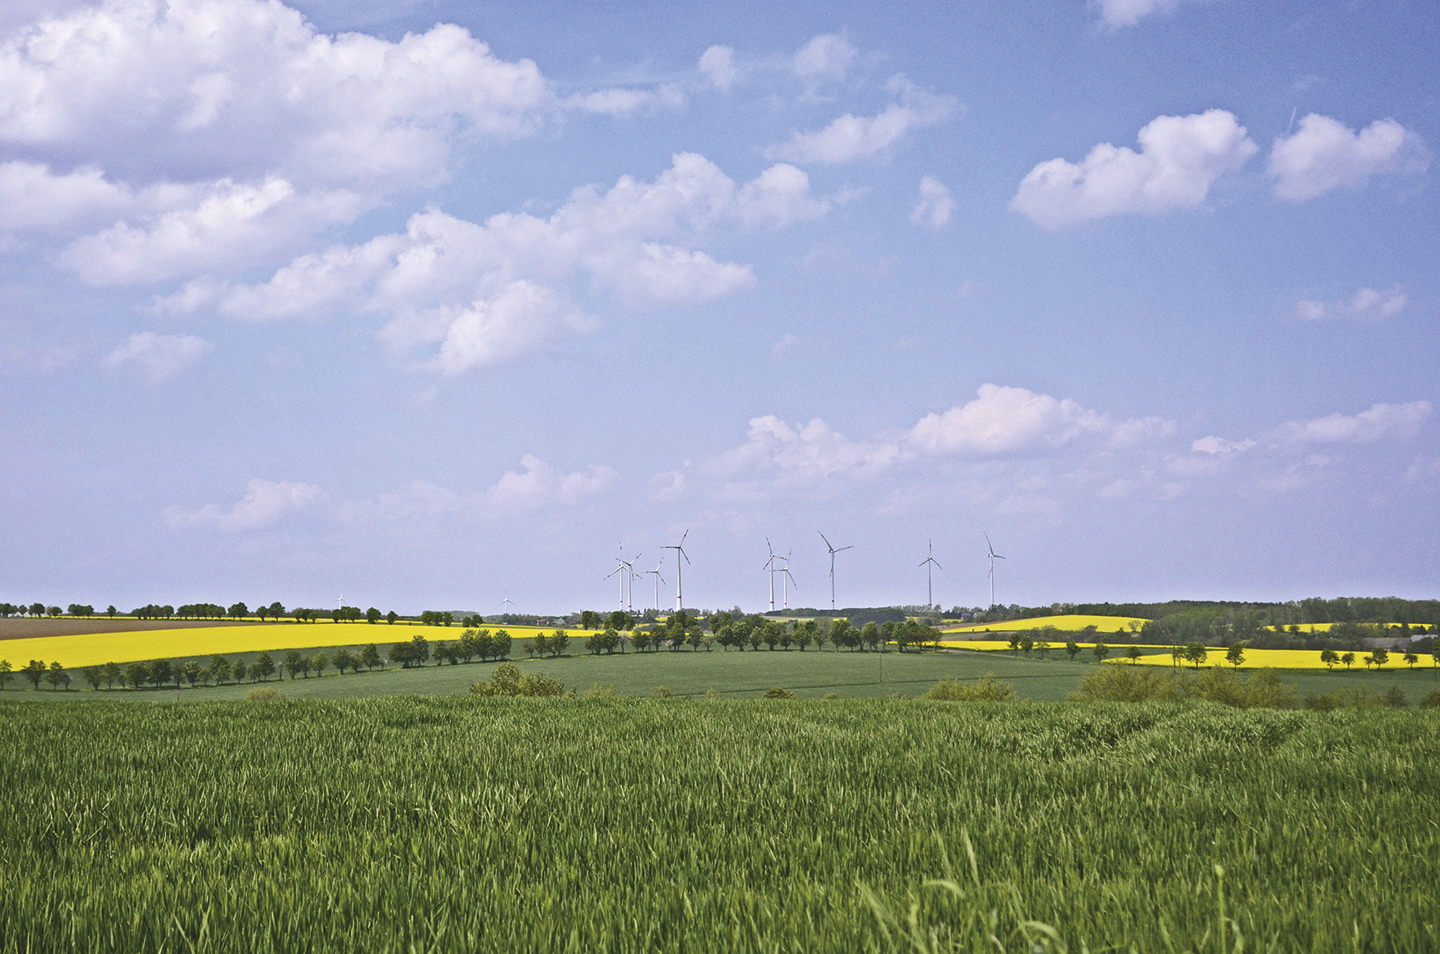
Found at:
<point>93,649</point>
<point>1072,623</point>
<point>1276,659</point>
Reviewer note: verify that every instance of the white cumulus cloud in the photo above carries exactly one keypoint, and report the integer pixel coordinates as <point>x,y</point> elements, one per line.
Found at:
<point>1324,154</point>
<point>935,204</point>
<point>521,319</point>
<point>1005,420</point>
<point>826,57</point>
<point>1398,422</point>
<point>1179,160</point>
<point>266,503</point>
<point>156,358</point>
<point>717,64</point>
<point>852,137</point>
<point>1123,13</point>
<point>1367,304</point>
<point>540,485</point>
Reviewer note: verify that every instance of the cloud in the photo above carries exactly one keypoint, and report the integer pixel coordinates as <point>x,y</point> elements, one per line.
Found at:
<point>228,227</point>
<point>521,319</point>
<point>717,64</point>
<point>1006,420</point>
<point>1123,13</point>
<point>34,198</point>
<point>853,137</point>
<point>1367,304</point>
<point>935,204</point>
<point>245,88</point>
<point>157,358</point>
<point>622,101</point>
<point>1219,445</point>
<point>487,292</point>
<point>1179,160</point>
<point>266,503</point>
<point>826,57</point>
<point>421,505</point>
<point>1397,422</point>
<point>1324,154</point>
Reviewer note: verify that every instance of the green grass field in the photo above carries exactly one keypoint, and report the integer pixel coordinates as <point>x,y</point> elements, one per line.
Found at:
<point>733,674</point>
<point>435,824</point>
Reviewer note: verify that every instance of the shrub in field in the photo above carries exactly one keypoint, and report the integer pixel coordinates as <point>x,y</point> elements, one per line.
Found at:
<point>779,693</point>
<point>508,680</point>
<point>264,694</point>
<point>1263,690</point>
<point>662,693</point>
<point>1431,700</point>
<point>985,689</point>
<point>1126,684</point>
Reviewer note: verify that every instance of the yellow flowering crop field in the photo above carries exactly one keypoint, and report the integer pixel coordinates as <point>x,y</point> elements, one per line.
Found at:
<point>93,649</point>
<point>1277,659</point>
<point>1072,623</point>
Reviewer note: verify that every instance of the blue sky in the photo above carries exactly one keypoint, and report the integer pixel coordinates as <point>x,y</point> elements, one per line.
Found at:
<point>428,303</point>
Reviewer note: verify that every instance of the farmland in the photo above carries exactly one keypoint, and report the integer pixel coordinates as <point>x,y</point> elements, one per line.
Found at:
<point>619,825</point>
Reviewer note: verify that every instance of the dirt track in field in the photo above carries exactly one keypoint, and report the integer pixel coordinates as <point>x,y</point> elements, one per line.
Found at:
<point>15,627</point>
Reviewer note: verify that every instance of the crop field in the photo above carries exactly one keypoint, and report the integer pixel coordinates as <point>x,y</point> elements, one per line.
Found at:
<point>99,647</point>
<point>1072,623</point>
<point>458,824</point>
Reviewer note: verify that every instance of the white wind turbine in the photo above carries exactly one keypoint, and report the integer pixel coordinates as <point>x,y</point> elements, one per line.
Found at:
<point>929,574</point>
<point>833,551</point>
<point>784,571</point>
<point>769,568</point>
<point>679,549</point>
<point>625,568</point>
<point>658,580</point>
<point>507,601</point>
<point>993,557</point>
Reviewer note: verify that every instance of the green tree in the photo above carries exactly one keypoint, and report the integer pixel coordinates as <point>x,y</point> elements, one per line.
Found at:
<point>372,616</point>
<point>559,642</point>
<point>5,671</point>
<point>220,670</point>
<point>264,665</point>
<point>1348,660</point>
<point>370,657</point>
<point>239,610</point>
<point>110,611</point>
<point>1329,658</point>
<point>420,647</point>
<point>391,617</point>
<point>318,662</point>
<point>1235,655</point>
<point>191,670</point>
<point>1099,651</point>
<point>1411,659</point>
<point>293,662</point>
<point>1196,653</point>
<point>34,671</point>
<point>1072,649</point>
<point>112,672</point>
<point>93,675</point>
<point>1134,653</point>
<point>1381,657</point>
<point>56,674</point>
<point>160,672</point>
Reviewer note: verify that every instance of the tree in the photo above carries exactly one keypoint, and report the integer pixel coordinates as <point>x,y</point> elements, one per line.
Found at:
<point>34,671</point>
<point>56,674</point>
<point>110,611</point>
<point>370,657</point>
<point>192,672</point>
<point>1235,655</point>
<point>420,647</point>
<point>53,611</point>
<point>160,672</point>
<point>137,674</point>
<point>1196,653</point>
<point>239,610</point>
<point>5,671</point>
<point>1348,660</point>
<point>344,660</point>
<point>1329,658</point>
<point>589,619</point>
<point>1099,651</point>
<point>1072,649</point>
<point>37,609</point>
<point>293,662</point>
<point>277,610</point>
<point>372,616</point>
<point>500,646</point>
<point>112,672</point>
<point>1381,657</point>
<point>318,662</point>
<point>220,669</point>
<point>263,664</point>
<point>1014,644</point>
<point>559,642</point>
<point>93,675</point>
<point>1134,653</point>
<point>1411,659</point>
<point>391,617</point>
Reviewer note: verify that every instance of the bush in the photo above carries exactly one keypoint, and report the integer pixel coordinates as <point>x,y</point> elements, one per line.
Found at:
<point>1431,700</point>
<point>507,680</point>
<point>985,689</point>
<point>1262,690</point>
<point>1126,684</point>
<point>778,693</point>
<point>662,693</point>
<point>264,694</point>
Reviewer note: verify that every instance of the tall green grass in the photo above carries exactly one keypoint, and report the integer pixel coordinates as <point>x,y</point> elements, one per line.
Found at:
<point>432,824</point>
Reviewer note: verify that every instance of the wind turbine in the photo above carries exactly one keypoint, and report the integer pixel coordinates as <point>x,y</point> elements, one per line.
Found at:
<point>626,567</point>
<point>769,567</point>
<point>993,557</point>
<point>658,580</point>
<point>833,551</point>
<point>929,575</point>
<point>507,601</point>
<point>679,549</point>
<point>788,579</point>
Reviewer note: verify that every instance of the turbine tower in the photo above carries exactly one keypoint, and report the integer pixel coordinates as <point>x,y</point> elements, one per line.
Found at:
<point>833,551</point>
<point>769,567</point>
<point>929,575</point>
<point>993,557</point>
<point>658,580</point>
<point>679,549</point>
<point>507,601</point>
<point>787,580</point>
<point>625,568</point>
